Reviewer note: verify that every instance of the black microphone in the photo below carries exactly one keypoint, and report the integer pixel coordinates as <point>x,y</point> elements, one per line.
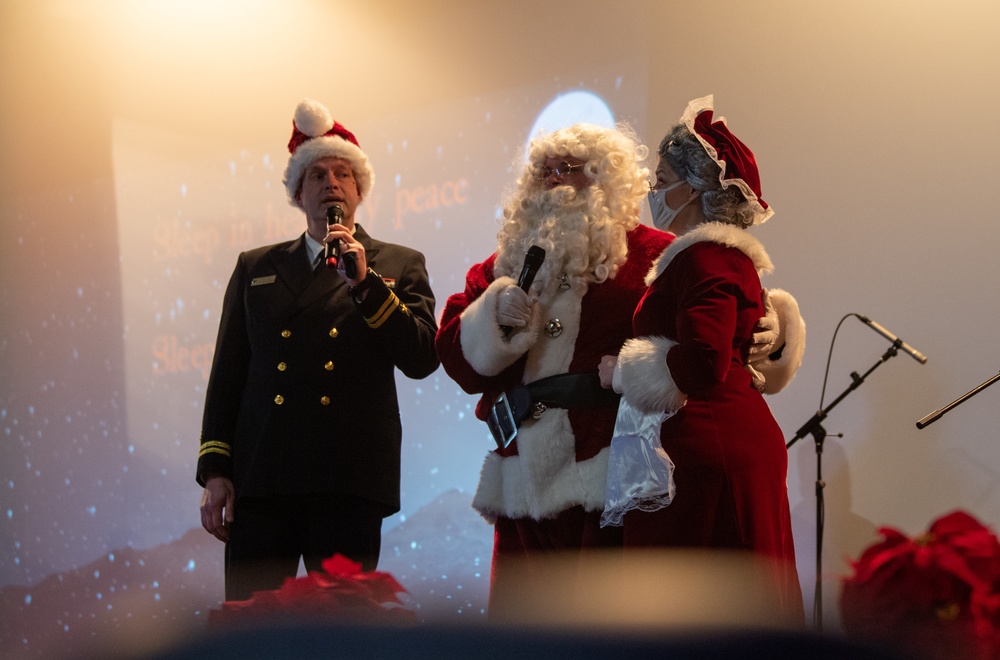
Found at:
<point>335,215</point>
<point>532,262</point>
<point>913,353</point>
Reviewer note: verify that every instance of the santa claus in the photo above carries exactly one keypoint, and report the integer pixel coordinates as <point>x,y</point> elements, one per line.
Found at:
<point>534,355</point>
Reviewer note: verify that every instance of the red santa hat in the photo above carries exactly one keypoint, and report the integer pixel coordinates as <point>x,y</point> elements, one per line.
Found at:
<point>316,135</point>
<point>737,162</point>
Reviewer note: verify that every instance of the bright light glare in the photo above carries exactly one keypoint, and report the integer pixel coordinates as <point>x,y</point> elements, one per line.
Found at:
<point>568,109</point>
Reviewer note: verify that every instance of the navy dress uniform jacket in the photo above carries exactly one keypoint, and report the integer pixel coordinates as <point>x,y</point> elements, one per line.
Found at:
<point>302,394</point>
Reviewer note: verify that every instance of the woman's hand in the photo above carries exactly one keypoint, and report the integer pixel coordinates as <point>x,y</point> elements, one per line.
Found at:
<point>606,369</point>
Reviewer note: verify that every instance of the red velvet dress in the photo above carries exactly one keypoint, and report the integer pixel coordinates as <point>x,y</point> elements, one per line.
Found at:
<point>730,460</point>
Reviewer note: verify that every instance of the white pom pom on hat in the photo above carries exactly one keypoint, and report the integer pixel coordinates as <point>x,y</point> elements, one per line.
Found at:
<point>316,135</point>
<point>312,118</point>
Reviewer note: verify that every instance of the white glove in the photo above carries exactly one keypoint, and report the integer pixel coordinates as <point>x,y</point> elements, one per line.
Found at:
<point>766,333</point>
<point>513,307</point>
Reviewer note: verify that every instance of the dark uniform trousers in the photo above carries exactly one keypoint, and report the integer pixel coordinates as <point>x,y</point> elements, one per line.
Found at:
<point>269,535</point>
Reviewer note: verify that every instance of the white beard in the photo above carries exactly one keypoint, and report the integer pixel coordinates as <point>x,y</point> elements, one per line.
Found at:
<point>580,239</point>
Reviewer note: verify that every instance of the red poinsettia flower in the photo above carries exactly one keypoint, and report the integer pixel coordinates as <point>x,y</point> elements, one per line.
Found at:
<point>341,591</point>
<point>937,594</point>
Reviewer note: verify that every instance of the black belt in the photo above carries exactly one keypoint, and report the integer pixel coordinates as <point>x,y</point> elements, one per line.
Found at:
<point>561,391</point>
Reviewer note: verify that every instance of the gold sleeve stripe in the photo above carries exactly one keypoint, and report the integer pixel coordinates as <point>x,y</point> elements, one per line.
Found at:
<point>384,312</point>
<point>215,447</point>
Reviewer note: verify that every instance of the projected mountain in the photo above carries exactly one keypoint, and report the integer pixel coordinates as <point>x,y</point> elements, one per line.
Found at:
<point>144,599</point>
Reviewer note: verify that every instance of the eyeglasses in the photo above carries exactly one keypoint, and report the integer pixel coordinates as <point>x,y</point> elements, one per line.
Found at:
<point>560,170</point>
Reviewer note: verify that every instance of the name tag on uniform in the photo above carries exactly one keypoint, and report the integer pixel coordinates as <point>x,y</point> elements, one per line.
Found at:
<point>257,281</point>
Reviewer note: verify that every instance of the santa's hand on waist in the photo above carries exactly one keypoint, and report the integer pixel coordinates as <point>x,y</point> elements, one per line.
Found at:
<point>766,332</point>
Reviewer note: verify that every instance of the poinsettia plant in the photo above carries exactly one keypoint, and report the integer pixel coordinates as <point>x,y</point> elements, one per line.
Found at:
<point>936,595</point>
<point>341,591</point>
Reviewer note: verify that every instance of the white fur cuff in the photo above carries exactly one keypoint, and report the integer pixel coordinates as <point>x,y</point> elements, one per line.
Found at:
<point>484,344</point>
<point>646,380</point>
<point>778,373</point>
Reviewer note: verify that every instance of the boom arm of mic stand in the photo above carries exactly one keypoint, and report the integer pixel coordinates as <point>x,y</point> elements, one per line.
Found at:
<point>936,415</point>
<point>813,425</point>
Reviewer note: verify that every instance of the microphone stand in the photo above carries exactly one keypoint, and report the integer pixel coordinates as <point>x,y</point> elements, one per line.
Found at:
<point>936,415</point>
<point>815,428</point>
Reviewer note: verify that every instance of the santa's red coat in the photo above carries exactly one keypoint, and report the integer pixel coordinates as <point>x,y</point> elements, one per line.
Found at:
<point>559,460</point>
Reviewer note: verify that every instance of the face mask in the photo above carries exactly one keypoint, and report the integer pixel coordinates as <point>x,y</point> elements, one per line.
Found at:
<point>662,214</point>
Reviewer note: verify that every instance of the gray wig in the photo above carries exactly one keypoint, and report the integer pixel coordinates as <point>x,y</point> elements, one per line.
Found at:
<point>687,157</point>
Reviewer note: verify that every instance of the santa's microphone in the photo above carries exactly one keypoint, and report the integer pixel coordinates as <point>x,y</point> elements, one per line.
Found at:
<point>532,262</point>
<point>335,216</point>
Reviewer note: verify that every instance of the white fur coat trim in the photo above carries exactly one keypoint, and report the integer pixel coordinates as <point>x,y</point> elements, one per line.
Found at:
<point>544,478</point>
<point>484,344</point>
<point>792,335</point>
<point>505,488</point>
<point>646,380</point>
<point>714,232</point>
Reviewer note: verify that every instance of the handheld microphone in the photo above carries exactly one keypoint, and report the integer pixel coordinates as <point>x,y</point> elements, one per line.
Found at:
<point>913,353</point>
<point>335,216</point>
<point>532,262</point>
